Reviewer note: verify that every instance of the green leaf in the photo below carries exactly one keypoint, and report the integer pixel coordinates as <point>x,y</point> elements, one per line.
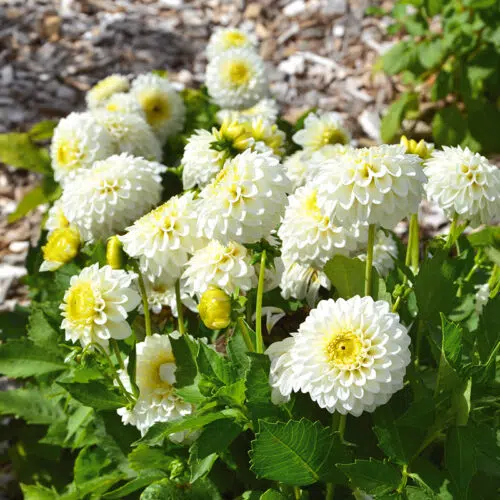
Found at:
<point>431,52</point>
<point>30,201</point>
<point>237,353</point>
<point>396,113</point>
<point>168,490</point>
<point>31,405</point>
<point>38,492</point>
<point>346,275</point>
<point>273,495</point>
<point>460,460</point>
<point>214,365</point>
<point>372,476</point>
<point>398,57</point>
<point>96,395</point>
<point>43,130</point>
<point>452,344</point>
<point>449,126</point>
<point>18,150</point>
<point>185,353</point>
<point>216,437</point>
<point>22,358</point>
<point>488,236</point>
<point>488,334</point>
<point>41,332</point>
<point>299,452</point>
<point>145,479</point>
<point>143,457</point>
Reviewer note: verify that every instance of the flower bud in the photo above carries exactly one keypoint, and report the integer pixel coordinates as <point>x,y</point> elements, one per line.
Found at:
<point>421,148</point>
<point>215,308</point>
<point>114,253</point>
<point>62,246</point>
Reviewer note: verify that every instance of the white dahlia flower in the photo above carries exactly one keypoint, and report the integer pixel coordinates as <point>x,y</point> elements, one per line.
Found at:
<point>103,200</point>
<point>163,106</point>
<point>379,185</point>
<point>236,79</point>
<point>296,166</point>
<point>125,104</point>
<point>311,237</point>
<point>200,162</point>
<point>350,356</point>
<point>161,294</point>
<point>164,238</point>
<point>318,160</point>
<point>320,130</point>
<point>99,94</point>
<point>464,183</point>
<point>302,282</point>
<point>155,378</point>
<point>482,297</point>
<point>266,109</point>
<point>55,217</point>
<point>78,141</point>
<point>131,134</point>
<point>96,304</point>
<point>246,199</point>
<point>224,39</point>
<point>227,267</point>
<point>385,251</point>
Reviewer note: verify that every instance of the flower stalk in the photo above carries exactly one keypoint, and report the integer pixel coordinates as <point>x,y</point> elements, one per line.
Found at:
<point>369,260</point>
<point>259,348</point>
<point>180,311</point>
<point>145,304</point>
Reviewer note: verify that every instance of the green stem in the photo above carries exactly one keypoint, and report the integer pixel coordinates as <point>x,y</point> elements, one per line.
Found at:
<point>409,245</point>
<point>145,304</point>
<point>259,348</point>
<point>415,242</point>
<point>342,424</point>
<point>297,493</point>
<point>369,260</point>
<point>418,345</point>
<point>338,423</point>
<point>404,479</point>
<point>396,304</point>
<point>246,335</point>
<point>330,488</point>
<point>116,349</point>
<point>453,227</point>
<point>180,311</point>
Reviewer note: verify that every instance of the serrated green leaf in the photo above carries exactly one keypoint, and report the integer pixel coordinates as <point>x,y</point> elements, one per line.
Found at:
<point>19,151</point>
<point>31,405</point>
<point>298,452</point>
<point>168,490</point>
<point>42,333</point>
<point>185,352</point>
<point>214,365</point>
<point>346,275</point>
<point>143,457</point>
<point>460,460</point>
<point>96,395</point>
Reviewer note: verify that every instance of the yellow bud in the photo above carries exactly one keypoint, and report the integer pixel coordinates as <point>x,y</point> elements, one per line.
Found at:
<point>421,148</point>
<point>235,132</point>
<point>62,246</point>
<point>114,253</point>
<point>215,309</point>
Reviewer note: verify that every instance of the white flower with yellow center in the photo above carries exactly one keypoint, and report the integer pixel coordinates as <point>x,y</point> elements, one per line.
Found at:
<point>131,134</point>
<point>55,217</point>
<point>320,130</point>
<point>236,79</point>
<point>103,200</point>
<point>224,39</point>
<point>164,238</point>
<point>385,251</point>
<point>246,199</point>
<point>311,237</point>
<point>161,295</point>
<point>99,94</point>
<point>350,356</point>
<point>163,106</point>
<point>124,104</point>
<point>227,267</point>
<point>319,159</point>
<point>96,305</point>
<point>78,141</point>
<point>266,109</point>
<point>379,185</point>
<point>200,162</point>
<point>464,183</point>
<point>302,282</point>
<point>155,378</point>
<point>296,166</point>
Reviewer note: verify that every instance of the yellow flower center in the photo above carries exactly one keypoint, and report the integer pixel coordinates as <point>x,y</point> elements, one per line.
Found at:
<point>81,303</point>
<point>333,136</point>
<point>155,377</point>
<point>237,73</point>
<point>62,245</point>
<point>156,107</point>
<point>111,107</point>
<point>68,153</point>
<point>344,349</point>
<point>234,39</point>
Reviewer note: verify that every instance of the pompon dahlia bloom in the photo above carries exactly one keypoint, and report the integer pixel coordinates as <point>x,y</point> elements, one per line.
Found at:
<point>125,104</point>
<point>161,294</point>
<point>319,159</point>
<point>236,79</point>
<point>200,162</point>
<point>224,39</point>
<point>266,109</point>
<point>302,282</point>
<point>131,134</point>
<point>99,94</point>
<point>164,238</point>
<point>96,304</point>
<point>103,200</point>
<point>350,356</point>
<point>385,251</point>
<point>464,183</point>
<point>163,106</point>
<point>227,267</point>
<point>155,378</point>
<point>320,130</point>
<point>379,185</point>
<point>296,166</point>
<point>78,141</point>
<point>311,237</point>
<point>246,199</point>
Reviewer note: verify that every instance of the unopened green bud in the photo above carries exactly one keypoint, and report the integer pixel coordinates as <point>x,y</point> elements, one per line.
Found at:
<point>114,253</point>
<point>215,308</point>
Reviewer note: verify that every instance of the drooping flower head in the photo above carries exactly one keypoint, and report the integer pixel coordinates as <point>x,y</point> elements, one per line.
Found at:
<point>320,130</point>
<point>385,250</point>
<point>224,39</point>
<point>164,238</point>
<point>378,185</point>
<point>236,79</point>
<point>227,267</point>
<point>99,94</point>
<point>155,378</point>
<point>464,183</point>
<point>103,200</point>
<point>311,237</point>
<point>266,109</point>
<point>163,106</point>
<point>350,356</point>
<point>246,199</point>
<point>96,305</point>
<point>78,141</point>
